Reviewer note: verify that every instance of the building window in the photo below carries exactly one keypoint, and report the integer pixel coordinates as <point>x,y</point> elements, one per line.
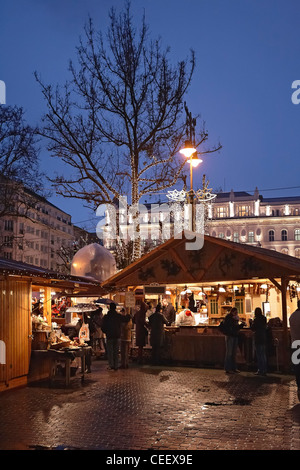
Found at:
<point>213,306</point>
<point>9,225</point>
<point>8,241</point>
<point>221,235</point>
<point>251,237</point>
<point>243,211</point>
<point>297,234</point>
<point>239,305</point>
<point>221,212</point>
<point>297,252</point>
<point>284,235</point>
<point>236,237</point>
<point>276,212</point>
<point>271,235</point>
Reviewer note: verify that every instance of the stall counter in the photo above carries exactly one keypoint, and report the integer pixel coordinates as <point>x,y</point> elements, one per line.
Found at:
<point>205,346</point>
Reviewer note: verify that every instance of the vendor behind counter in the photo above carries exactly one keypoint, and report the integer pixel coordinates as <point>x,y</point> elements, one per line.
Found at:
<point>185,318</point>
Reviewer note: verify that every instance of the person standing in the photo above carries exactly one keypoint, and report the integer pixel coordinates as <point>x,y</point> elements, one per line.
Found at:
<point>295,337</point>
<point>259,326</point>
<point>157,333</point>
<point>97,334</point>
<point>168,311</point>
<point>231,330</point>
<point>84,332</point>
<point>141,331</point>
<point>125,340</point>
<point>111,326</point>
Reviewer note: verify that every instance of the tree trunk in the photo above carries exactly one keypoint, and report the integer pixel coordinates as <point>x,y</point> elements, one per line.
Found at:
<point>135,217</point>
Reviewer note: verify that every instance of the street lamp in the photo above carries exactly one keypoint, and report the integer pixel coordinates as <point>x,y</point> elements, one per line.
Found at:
<point>190,152</point>
<point>188,149</point>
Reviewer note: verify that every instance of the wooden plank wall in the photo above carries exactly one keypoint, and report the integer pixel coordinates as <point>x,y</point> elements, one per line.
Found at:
<point>15,328</point>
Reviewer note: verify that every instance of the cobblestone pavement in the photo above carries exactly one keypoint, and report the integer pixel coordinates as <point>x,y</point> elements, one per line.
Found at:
<point>157,408</point>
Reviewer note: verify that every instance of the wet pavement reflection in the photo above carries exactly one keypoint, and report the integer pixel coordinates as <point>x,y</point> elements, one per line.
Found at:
<point>157,408</point>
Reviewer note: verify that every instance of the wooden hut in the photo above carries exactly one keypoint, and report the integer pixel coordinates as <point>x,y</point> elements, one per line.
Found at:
<point>17,280</point>
<point>218,261</point>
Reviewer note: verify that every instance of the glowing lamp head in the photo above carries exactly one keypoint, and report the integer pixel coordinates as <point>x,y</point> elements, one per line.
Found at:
<point>195,161</point>
<point>188,149</point>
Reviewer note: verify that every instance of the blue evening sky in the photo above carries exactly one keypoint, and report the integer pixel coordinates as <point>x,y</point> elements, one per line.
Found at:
<point>248,55</point>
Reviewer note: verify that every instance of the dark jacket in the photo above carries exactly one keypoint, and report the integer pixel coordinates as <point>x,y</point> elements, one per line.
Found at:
<point>139,320</point>
<point>111,324</point>
<point>156,324</point>
<point>259,326</point>
<point>231,325</point>
<point>169,313</point>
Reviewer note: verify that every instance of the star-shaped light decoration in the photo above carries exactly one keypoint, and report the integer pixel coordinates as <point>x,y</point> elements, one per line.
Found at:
<point>177,196</point>
<point>205,194</point>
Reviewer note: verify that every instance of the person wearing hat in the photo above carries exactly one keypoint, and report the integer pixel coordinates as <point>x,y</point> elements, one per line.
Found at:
<point>185,318</point>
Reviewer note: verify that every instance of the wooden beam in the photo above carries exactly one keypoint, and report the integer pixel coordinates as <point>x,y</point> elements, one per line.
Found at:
<point>275,283</point>
<point>217,253</point>
<point>181,264</point>
<point>124,275</point>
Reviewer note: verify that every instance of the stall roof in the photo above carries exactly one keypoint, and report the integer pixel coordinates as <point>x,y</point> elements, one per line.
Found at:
<point>45,277</point>
<point>217,261</point>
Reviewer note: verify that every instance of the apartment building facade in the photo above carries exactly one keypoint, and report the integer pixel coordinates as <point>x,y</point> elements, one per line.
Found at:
<point>37,233</point>
<point>272,223</point>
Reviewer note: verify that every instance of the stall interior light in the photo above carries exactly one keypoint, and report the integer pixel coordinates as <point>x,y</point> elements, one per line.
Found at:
<point>264,286</point>
<point>221,289</point>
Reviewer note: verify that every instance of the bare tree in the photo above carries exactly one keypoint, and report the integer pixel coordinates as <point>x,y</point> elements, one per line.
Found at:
<point>18,161</point>
<point>118,122</point>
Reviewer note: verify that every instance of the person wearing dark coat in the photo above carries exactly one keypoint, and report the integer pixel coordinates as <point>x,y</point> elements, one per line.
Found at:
<point>157,333</point>
<point>111,326</point>
<point>141,332</point>
<point>232,328</point>
<point>259,326</point>
<point>168,311</point>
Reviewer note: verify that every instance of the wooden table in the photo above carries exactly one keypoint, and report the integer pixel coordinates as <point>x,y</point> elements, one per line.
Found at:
<point>66,356</point>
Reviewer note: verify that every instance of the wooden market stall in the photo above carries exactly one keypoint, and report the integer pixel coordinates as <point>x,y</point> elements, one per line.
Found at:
<point>218,262</point>
<point>18,339</point>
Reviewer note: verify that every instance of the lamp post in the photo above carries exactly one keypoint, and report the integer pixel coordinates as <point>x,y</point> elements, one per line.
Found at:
<point>190,152</point>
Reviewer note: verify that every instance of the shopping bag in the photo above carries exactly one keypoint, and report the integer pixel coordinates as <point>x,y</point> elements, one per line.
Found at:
<point>84,333</point>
